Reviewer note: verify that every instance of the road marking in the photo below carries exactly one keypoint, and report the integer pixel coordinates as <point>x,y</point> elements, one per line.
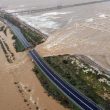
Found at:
<point>17,34</point>
<point>61,83</point>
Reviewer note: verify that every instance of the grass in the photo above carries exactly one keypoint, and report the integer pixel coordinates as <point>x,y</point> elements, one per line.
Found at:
<point>88,82</point>
<point>53,91</point>
<point>18,45</point>
<point>32,37</point>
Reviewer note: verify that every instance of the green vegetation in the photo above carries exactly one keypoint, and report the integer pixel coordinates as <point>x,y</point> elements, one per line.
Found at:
<point>12,20</point>
<point>31,36</point>
<point>5,31</point>
<point>2,28</point>
<point>83,77</point>
<point>9,55</point>
<point>53,91</point>
<point>18,45</point>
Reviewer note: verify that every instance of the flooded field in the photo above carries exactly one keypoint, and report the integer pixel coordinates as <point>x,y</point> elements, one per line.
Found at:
<point>82,29</point>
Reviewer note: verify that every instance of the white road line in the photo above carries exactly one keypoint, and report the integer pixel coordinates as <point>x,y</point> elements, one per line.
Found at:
<point>63,85</point>
<point>20,37</point>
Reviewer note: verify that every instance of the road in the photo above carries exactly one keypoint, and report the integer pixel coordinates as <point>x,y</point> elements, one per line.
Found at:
<point>82,101</point>
<point>18,34</point>
<point>69,91</point>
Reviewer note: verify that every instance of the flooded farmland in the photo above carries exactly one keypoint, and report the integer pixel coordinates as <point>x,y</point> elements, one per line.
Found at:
<point>79,29</point>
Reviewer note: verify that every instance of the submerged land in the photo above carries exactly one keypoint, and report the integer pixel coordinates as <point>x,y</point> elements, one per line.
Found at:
<point>74,43</point>
<point>18,82</point>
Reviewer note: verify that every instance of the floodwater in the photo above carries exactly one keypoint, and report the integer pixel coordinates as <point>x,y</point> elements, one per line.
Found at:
<point>49,22</point>
<point>39,3</point>
<point>83,28</point>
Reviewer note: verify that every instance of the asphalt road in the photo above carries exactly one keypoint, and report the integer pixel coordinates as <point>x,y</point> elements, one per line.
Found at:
<point>18,34</point>
<point>69,91</point>
<point>82,101</point>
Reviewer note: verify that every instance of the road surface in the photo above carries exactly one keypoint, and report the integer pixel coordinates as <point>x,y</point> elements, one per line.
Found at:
<point>69,91</point>
<point>82,101</point>
<point>19,35</point>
